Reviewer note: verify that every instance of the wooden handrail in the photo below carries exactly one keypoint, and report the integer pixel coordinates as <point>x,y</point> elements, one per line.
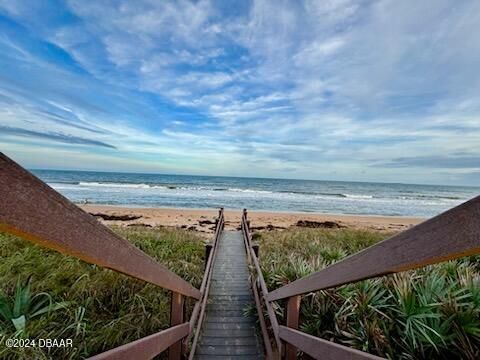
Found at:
<point>207,272</point>
<point>202,303</point>
<point>33,210</point>
<point>319,348</point>
<point>261,320</point>
<point>147,347</point>
<point>261,281</point>
<point>450,235</point>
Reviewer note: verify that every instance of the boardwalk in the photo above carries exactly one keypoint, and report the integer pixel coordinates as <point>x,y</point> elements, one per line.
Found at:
<point>227,333</point>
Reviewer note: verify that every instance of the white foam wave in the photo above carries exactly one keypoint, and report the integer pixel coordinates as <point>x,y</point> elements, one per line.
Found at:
<point>120,185</point>
<point>357,196</point>
<point>249,191</point>
<point>167,187</point>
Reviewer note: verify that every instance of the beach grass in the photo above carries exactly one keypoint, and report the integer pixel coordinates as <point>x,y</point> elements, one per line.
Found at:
<point>429,313</point>
<point>105,309</point>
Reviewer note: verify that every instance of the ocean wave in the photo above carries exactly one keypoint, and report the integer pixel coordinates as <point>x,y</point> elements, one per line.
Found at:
<point>430,197</point>
<point>294,192</point>
<point>358,196</point>
<point>61,182</point>
<point>121,185</point>
<point>250,191</point>
<point>166,187</point>
<point>106,184</point>
<point>438,197</point>
<point>269,193</point>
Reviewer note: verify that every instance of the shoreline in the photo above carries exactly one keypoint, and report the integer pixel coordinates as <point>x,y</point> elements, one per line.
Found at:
<point>203,220</point>
<point>140,207</point>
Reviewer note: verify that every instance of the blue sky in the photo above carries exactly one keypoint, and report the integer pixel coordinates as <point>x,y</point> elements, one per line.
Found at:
<point>335,90</point>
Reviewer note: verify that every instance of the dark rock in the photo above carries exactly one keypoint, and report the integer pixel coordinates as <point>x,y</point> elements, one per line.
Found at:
<point>256,236</point>
<point>206,222</point>
<point>269,227</point>
<point>116,217</point>
<point>319,224</point>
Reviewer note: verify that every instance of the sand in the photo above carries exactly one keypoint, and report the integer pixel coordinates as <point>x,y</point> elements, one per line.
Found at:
<point>202,220</point>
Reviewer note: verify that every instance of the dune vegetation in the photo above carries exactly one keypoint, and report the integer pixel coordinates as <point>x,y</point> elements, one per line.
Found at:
<point>429,313</point>
<point>97,308</point>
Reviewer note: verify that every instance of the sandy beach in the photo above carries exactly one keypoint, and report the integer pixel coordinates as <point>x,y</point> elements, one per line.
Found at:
<point>203,220</point>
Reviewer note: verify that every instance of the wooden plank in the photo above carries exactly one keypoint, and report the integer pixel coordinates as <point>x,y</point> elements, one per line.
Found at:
<point>450,235</point>
<point>322,349</point>
<point>176,317</point>
<point>34,211</point>
<point>293,314</point>
<point>147,347</point>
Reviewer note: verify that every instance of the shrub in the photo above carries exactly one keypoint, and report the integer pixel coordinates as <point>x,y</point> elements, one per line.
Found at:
<point>429,313</point>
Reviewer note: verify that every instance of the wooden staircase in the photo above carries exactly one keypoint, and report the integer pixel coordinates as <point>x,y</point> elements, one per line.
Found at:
<point>228,332</point>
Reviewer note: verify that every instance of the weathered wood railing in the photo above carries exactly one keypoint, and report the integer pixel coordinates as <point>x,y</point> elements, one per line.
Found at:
<point>450,235</point>
<point>32,210</point>
<point>257,281</point>
<point>201,305</point>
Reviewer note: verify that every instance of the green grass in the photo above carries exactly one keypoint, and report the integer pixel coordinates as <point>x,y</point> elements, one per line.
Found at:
<point>429,313</point>
<point>105,309</point>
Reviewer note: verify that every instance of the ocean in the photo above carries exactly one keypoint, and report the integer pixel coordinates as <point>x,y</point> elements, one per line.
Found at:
<point>184,191</point>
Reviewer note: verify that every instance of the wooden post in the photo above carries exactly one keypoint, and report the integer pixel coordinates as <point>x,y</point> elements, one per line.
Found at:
<point>176,318</point>
<point>256,249</point>
<point>208,250</point>
<point>293,312</point>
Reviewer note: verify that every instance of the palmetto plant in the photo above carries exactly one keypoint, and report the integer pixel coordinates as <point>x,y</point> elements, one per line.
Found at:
<point>24,306</point>
<point>429,313</point>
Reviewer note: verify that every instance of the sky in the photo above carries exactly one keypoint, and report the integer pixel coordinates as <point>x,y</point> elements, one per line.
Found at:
<point>385,91</point>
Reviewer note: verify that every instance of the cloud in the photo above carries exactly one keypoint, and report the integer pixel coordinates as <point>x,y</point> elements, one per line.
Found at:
<point>443,162</point>
<point>324,87</point>
<point>53,136</point>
